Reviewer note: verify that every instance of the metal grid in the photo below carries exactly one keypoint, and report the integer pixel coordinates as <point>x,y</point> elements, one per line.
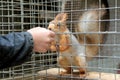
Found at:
<point>20,15</point>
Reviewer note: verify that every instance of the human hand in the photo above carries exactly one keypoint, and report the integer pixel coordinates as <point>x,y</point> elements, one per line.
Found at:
<point>42,38</point>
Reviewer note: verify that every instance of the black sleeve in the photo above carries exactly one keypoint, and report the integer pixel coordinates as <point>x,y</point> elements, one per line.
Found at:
<point>15,48</point>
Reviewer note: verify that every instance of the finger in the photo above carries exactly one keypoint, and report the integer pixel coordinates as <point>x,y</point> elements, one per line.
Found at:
<point>50,40</point>
<point>43,50</point>
<point>48,46</point>
<point>52,34</point>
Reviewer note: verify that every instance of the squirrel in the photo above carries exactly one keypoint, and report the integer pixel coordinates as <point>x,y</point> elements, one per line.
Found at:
<point>87,22</point>
<point>72,53</point>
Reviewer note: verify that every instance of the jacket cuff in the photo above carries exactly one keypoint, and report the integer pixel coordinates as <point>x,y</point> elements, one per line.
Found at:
<point>30,39</point>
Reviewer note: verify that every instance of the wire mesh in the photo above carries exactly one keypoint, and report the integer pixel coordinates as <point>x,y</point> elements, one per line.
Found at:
<point>20,15</point>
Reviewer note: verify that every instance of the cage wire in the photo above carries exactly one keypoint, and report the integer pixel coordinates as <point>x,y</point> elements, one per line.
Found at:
<point>21,15</point>
<point>18,16</point>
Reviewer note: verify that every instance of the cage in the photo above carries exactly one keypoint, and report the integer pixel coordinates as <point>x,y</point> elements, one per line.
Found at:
<point>21,15</point>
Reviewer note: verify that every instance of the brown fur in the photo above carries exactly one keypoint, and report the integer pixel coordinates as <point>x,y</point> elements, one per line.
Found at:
<point>64,47</point>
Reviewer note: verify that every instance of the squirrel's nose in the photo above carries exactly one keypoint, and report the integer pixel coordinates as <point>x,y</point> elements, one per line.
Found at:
<point>50,28</point>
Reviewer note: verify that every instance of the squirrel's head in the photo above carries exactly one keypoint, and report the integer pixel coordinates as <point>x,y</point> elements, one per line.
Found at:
<point>59,23</point>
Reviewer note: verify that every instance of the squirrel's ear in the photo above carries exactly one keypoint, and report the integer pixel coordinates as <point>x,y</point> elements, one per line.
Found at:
<point>65,16</point>
<point>61,17</point>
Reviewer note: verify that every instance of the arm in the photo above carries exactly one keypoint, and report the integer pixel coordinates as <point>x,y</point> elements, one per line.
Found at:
<point>15,48</point>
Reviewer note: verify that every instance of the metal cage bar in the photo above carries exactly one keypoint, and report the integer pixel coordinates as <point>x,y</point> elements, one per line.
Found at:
<point>20,15</point>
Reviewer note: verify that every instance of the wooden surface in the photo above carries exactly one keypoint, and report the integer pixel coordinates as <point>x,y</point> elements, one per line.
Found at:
<point>53,74</point>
